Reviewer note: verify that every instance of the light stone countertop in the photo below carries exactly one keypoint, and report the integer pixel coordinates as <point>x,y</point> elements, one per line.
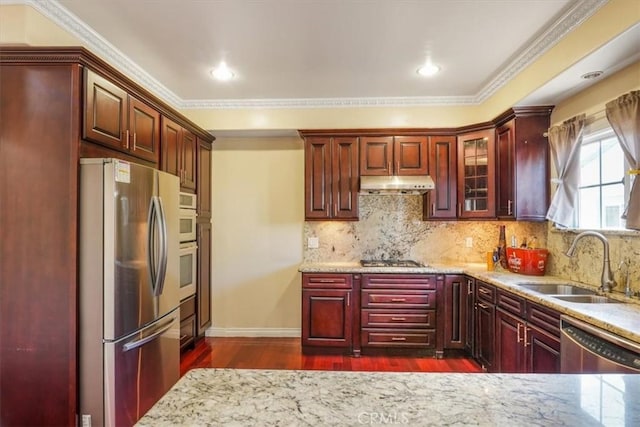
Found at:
<point>620,319</point>
<point>238,397</point>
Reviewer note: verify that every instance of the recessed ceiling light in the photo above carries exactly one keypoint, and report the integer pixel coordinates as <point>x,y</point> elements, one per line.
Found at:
<point>591,75</point>
<point>428,70</point>
<point>222,72</point>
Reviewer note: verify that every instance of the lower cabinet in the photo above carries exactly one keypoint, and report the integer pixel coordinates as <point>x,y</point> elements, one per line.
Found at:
<point>527,336</point>
<point>485,315</point>
<point>454,318</point>
<point>327,312</point>
<point>398,311</point>
<point>470,301</point>
<point>187,322</point>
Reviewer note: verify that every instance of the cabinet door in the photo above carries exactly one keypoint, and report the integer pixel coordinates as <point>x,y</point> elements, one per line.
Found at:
<point>476,175</point>
<point>455,311</point>
<point>470,301</point>
<point>105,112</point>
<point>317,176</point>
<point>410,155</point>
<point>203,287</point>
<point>344,182</point>
<point>505,174</point>
<point>144,129</point>
<point>188,151</point>
<point>440,203</point>
<point>204,180</point>
<point>509,345</point>
<point>171,136</point>
<point>542,351</point>
<point>485,334</point>
<point>376,155</point>
<point>326,318</point>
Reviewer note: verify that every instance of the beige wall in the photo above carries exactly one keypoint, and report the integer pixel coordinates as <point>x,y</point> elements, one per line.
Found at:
<point>258,212</point>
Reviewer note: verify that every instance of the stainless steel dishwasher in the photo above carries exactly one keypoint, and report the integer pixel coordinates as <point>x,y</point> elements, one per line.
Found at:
<point>587,349</point>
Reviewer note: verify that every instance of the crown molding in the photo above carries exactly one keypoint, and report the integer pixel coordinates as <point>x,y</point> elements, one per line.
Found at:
<point>53,10</point>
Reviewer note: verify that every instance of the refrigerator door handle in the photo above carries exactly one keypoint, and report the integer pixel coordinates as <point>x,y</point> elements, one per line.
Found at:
<point>164,245</point>
<point>157,254</point>
<point>155,334</point>
<point>151,244</point>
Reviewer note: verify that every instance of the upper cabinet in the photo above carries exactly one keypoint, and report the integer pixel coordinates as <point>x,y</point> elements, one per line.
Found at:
<point>118,120</point>
<point>331,178</point>
<point>476,174</point>
<point>393,155</point>
<point>203,183</point>
<point>179,148</point>
<point>522,164</point>
<point>440,203</point>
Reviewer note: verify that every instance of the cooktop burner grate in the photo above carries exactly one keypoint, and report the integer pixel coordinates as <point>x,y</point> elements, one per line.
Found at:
<point>389,263</point>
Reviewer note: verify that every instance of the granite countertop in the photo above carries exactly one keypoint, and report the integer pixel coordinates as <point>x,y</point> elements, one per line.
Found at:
<point>619,319</point>
<point>237,397</point>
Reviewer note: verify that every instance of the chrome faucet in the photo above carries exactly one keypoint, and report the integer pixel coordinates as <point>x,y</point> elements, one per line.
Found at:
<point>607,282</point>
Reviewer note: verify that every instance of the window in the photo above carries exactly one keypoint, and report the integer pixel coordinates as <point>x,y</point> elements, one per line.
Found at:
<point>604,185</point>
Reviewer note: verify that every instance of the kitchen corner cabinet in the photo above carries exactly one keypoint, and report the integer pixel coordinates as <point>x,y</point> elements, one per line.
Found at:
<point>118,120</point>
<point>522,164</point>
<point>476,175</point>
<point>440,203</point>
<point>393,155</point>
<point>327,312</point>
<point>527,336</point>
<point>485,315</point>
<point>179,148</point>
<point>454,312</point>
<point>331,178</point>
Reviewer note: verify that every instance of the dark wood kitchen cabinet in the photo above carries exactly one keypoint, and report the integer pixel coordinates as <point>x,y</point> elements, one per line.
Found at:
<point>470,301</point>
<point>331,178</point>
<point>440,203</point>
<point>188,328</point>
<point>118,120</point>
<point>527,336</point>
<point>476,174</point>
<point>454,312</point>
<point>203,285</point>
<point>393,155</point>
<point>42,93</point>
<point>327,312</point>
<point>203,181</point>
<point>485,314</point>
<point>522,164</point>
<point>179,153</point>
<point>398,311</point>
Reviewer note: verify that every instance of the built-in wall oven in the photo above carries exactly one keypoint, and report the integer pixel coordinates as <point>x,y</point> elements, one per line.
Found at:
<point>587,349</point>
<point>188,246</point>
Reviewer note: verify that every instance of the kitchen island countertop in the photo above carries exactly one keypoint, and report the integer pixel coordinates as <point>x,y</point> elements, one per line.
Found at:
<point>238,397</point>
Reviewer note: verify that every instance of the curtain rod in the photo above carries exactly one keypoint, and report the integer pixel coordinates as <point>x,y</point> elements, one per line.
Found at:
<point>590,119</point>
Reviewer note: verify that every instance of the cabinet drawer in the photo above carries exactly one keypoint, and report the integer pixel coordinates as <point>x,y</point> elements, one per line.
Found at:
<point>187,308</point>
<point>187,331</point>
<point>398,299</point>
<point>544,318</point>
<point>486,292</point>
<point>398,338</point>
<point>398,281</point>
<point>510,302</point>
<point>425,319</point>
<point>311,280</point>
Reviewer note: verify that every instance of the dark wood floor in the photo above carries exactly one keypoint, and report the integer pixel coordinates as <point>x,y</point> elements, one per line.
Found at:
<point>285,353</point>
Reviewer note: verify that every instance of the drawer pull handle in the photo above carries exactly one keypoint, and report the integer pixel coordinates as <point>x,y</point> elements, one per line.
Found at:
<point>398,319</point>
<point>481,305</point>
<point>398,339</point>
<point>518,338</point>
<point>398,299</point>
<point>484,291</point>
<point>325,281</point>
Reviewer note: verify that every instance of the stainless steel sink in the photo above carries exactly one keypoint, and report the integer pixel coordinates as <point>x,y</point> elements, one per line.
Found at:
<point>556,289</point>
<point>587,299</point>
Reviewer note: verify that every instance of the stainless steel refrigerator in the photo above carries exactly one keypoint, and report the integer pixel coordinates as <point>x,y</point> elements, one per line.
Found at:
<point>129,290</point>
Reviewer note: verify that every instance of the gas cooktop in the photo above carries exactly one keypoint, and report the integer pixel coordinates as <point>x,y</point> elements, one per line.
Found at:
<point>389,263</point>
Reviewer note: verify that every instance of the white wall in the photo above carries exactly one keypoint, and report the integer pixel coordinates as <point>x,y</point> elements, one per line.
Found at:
<point>258,218</point>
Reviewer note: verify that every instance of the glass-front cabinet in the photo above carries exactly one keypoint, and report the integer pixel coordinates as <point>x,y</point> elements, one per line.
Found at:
<point>476,174</point>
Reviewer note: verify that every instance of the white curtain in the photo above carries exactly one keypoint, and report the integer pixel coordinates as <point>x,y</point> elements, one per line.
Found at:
<point>624,115</point>
<point>565,142</point>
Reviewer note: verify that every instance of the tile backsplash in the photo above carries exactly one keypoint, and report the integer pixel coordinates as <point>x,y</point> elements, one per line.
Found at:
<point>391,226</point>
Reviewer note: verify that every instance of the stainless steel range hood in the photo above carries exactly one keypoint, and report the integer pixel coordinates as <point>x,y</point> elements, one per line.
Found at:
<point>396,184</point>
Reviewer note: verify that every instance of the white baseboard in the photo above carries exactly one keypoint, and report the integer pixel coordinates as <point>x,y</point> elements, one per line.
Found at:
<point>253,332</point>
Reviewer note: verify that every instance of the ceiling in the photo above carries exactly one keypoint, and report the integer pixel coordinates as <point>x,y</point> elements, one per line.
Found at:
<point>335,52</point>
